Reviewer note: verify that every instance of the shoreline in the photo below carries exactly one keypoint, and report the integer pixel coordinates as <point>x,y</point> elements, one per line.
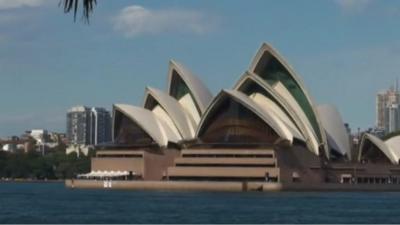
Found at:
<point>225,186</point>
<point>211,186</point>
<point>30,181</point>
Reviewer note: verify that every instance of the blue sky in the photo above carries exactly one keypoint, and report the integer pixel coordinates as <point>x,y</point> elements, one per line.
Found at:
<point>344,50</point>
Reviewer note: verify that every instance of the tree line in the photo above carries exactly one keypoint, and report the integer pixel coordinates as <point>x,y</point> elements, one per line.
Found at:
<point>33,165</point>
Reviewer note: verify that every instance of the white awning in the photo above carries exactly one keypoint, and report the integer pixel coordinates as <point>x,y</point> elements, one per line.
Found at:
<point>101,174</point>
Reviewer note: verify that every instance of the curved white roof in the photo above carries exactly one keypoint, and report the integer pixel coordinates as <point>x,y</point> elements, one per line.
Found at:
<point>180,118</point>
<point>202,96</point>
<point>257,59</point>
<point>154,127</point>
<point>268,116</point>
<point>281,95</point>
<point>382,146</point>
<point>394,144</point>
<point>312,138</point>
<point>268,105</point>
<point>338,138</point>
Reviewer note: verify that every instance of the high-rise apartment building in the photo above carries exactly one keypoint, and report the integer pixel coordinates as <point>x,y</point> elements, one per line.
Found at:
<point>78,125</point>
<point>100,126</point>
<point>88,126</point>
<point>380,110</point>
<point>387,110</point>
<point>392,122</point>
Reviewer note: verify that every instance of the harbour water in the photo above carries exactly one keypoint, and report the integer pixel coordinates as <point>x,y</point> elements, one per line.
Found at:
<point>53,203</point>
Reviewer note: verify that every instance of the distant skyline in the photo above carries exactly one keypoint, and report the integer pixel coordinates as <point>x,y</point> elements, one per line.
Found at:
<point>346,51</point>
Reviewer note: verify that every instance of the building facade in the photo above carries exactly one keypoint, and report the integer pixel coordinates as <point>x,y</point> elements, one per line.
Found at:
<point>88,126</point>
<point>387,110</point>
<point>78,125</point>
<point>392,122</point>
<point>100,126</point>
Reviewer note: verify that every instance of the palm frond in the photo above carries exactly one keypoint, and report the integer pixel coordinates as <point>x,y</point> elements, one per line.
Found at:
<point>73,5</point>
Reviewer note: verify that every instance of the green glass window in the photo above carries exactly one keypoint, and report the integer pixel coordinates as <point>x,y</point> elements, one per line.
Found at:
<point>231,122</point>
<point>272,71</point>
<point>179,89</point>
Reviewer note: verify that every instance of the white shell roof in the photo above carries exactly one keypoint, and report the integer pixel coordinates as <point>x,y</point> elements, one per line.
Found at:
<point>308,130</point>
<point>394,144</point>
<point>386,149</point>
<point>199,91</point>
<point>268,116</point>
<point>268,48</point>
<point>281,95</point>
<point>338,138</point>
<point>181,119</point>
<point>268,105</point>
<point>155,128</point>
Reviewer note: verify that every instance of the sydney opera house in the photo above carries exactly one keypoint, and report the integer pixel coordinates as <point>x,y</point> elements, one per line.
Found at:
<point>266,129</point>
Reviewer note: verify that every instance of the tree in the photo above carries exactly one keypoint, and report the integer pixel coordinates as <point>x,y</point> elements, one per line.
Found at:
<point>54,165</point>
<point>87,8</point>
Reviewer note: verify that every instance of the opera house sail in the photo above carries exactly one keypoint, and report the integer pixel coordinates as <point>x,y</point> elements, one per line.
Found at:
<point>233,117</point>
<point>188,90</point>
<point>171,111</point>
<point>136,125</point>
<point>264,133</point>
<point>374,150</point>
<point>275,71</point>
<point>337,136</point>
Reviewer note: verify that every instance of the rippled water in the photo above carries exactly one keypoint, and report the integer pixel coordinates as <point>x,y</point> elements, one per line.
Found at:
<point>52,203</point>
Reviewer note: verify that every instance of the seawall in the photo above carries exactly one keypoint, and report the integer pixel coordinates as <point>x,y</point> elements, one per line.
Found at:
<point>223,186</point>
<point>173,185</point>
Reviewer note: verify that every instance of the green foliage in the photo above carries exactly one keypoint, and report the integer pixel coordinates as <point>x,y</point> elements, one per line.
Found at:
<point>390,135</point>
<point>32,165</point>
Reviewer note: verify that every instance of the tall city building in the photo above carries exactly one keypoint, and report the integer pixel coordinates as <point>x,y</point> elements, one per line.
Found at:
<point>100,126</point>
<point>387,110</point>
<point>380,110</point>
<point>88,126</point>
<point>392,122</point>
<point>78,125</point>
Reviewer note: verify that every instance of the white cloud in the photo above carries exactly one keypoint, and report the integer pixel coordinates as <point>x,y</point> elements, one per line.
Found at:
<point>136,20</point>
<point>13,4</point>
<point>353,5</point>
